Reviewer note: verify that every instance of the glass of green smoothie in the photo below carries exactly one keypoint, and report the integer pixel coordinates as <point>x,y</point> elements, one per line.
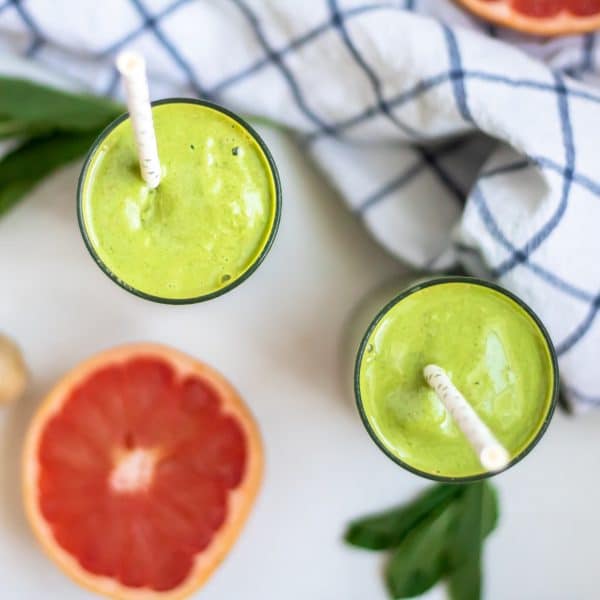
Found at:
<point>494,349</point>
<point>206,227</point>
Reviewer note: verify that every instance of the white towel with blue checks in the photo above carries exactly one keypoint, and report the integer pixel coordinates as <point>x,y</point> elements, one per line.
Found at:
<point>452,144</point>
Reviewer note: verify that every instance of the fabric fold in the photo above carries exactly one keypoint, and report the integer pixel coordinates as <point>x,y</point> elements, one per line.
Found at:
<point>454,141</point>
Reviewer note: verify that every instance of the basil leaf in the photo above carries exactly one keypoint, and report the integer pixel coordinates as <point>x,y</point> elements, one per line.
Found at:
<point>388,529</point>
<point>439,535</point>
<point>263,121</point>
<point>421,560</point>
<point>477,517</point>
<point>55,127</point>
<point>11,128</point>
<point>464,582</point>
<point>490,512</point>
<point>26,106</point>
<point>24,167</point>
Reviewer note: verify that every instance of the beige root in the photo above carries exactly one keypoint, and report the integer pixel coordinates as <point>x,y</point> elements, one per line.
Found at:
<point>13,371</point>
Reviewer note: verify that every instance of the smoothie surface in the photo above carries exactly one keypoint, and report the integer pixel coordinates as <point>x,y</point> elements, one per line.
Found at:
<point>494,353</point>
<point>205,225</point>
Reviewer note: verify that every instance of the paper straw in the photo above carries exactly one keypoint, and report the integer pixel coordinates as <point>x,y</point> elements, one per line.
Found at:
<point>492,455</point>
<point>132,67</point>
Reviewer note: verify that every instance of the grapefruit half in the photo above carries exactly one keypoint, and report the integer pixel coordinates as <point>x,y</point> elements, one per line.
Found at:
<point>540,17</point>
<point>140,469</point>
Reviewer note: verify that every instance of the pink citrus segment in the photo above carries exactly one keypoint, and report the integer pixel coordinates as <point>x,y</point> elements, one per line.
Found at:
<point>136,469</point>
<point>544,17</point>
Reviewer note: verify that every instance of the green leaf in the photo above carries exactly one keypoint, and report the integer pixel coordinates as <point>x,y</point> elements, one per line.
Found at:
<point>260,120</point>
<point>388,529</point>
<point>421,560</point>
<point>476,518</point>
<point>30,108</point>
<point>55,127</point>
<point>439,535</point>
<point>468,530</point>
<point>490,510</point>
<point>11,128</point>
<point>28,164</point>
<point>464,582</point>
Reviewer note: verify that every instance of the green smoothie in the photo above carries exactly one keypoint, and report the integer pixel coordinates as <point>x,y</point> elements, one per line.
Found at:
<point>209,222</point>
<point>493,351</point>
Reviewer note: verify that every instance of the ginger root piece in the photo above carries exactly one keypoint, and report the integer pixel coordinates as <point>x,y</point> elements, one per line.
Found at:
<point>13,371</point>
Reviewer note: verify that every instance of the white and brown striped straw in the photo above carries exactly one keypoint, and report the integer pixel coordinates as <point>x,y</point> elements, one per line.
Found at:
<point>132,67</point>
<point>492,455</point>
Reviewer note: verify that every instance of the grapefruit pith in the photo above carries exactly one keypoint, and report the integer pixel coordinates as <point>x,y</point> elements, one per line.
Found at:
<point>540,17</point>
<point>140,468</point>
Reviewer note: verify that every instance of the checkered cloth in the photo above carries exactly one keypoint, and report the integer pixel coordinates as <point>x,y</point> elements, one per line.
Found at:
<point>451,145</point>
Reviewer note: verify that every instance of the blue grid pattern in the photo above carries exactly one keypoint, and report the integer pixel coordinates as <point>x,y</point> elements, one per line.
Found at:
<point>152,23</point>
<point>428,160</point>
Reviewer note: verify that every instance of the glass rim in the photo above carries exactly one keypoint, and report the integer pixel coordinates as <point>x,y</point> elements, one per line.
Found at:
<point>437,280</point>
<point>253,266</point>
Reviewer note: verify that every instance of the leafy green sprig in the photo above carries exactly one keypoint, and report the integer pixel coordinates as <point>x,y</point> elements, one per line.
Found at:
<point>49,128</point>
<point>438,536</point>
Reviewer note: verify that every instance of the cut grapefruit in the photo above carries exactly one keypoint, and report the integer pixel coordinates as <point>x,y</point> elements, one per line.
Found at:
<point>139,470</point>
<point>540,17</point>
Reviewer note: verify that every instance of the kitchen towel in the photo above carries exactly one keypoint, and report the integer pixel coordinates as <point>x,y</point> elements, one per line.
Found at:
<point>455,141</point>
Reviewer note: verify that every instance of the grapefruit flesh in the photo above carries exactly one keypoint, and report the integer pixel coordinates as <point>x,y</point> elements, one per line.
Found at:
<point>140,468</point>
<point>542,17</point>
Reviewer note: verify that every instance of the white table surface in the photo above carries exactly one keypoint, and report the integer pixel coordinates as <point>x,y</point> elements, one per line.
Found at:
<point>277,338</point>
